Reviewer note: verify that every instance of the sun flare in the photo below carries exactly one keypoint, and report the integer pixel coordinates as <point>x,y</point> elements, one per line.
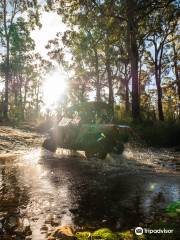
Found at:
<point>54,88</point>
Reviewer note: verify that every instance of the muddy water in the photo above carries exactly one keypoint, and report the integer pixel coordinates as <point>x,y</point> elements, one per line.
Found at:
<point>45,190</point>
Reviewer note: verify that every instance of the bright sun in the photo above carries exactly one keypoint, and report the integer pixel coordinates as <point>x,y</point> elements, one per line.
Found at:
<point>54,87</point>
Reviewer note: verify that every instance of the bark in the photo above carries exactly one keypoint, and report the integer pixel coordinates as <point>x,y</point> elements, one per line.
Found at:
<point>160,108</point>
<point>159,93</point>
<point>98,87</point>
<point>127,96</point>
<point>126,88</point>
<point>7,79</point>
<point>21,97</point>
<point>25,97</point>
<point>176,70</point>
<point>7,74</point>
<point>110,84</point>
<point>109,76</point>
<point>158,66</point>
<point>134,57</point>
<point>37,101</point>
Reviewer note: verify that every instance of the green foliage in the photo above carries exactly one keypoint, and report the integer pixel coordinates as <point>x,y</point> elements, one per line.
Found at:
<point>83,235</point>
<point>126,235</point>
<point>159,134</point>
<point>107,234</point>
<point>108,40</point>
<point>173,209</point>
<point>172,225</point>
<point>92,112</point>
<point>113,38</point>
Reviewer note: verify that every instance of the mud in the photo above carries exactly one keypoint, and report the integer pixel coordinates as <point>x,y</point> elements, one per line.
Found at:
<point>40,190</point>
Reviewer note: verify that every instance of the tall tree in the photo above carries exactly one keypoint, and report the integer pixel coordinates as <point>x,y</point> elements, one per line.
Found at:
<point>10,11</point>
<point>162,25</point>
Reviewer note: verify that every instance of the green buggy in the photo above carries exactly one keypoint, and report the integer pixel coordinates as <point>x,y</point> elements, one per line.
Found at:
<point>88,131</point>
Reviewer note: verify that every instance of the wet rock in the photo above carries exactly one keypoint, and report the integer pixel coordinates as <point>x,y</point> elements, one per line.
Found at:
<point>1,229</point>
<point>23,231</point>
<point>44,228</point>
<point>35,219</point>
<point>118,225</point>
<point>27,230</point>
<point>2,218</point>
<point>23,228</point>
<point>48,219</point>
<point>14,237</point>
<point>73,210</point>
<point>63,233</point>
<point>3,214</point>
<point>54,222</point>
<point>28,238</point>
<point>26,227</point>
<point>12,222</point>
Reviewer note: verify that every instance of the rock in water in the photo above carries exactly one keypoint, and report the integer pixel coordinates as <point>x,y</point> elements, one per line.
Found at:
<point>63,233</point>
<point>13,221</point>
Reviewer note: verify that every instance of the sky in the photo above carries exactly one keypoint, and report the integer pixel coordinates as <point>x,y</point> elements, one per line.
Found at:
<point>51,24</point>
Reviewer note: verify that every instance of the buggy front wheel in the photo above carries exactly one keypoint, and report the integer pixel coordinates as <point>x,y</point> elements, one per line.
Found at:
<point>49,144</point>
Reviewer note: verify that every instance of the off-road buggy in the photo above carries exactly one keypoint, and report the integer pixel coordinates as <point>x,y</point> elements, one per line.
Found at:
<point>89,134</point>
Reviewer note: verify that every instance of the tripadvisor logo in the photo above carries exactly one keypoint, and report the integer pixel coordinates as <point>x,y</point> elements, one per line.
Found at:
<point>140,231</point>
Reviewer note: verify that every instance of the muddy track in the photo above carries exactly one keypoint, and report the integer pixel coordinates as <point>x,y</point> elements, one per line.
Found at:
<point>40,190</point>
<point>13,139</point>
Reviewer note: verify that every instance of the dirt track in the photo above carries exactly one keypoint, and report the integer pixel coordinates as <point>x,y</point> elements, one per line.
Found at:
<point>40,190</point>
<point>13,139</point>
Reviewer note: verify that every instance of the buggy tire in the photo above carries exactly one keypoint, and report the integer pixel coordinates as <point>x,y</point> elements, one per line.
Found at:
<point>50,145</point>
<point>101,155</point>
<point>119,148</point>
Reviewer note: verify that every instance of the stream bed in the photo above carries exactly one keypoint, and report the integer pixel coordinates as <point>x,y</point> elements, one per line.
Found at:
<point>40,190</point>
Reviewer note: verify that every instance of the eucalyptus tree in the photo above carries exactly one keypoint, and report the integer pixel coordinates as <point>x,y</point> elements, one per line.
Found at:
<point>162,24</point>
<point>21,47</point>
<point>121,25</point>
<point>10,12</point>
<point>92,44</point>
<point>175,59</point>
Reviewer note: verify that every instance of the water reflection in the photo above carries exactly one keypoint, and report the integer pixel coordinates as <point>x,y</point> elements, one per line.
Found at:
<point>13,198</point>
<point>49,190</point>
<point>54,189</point>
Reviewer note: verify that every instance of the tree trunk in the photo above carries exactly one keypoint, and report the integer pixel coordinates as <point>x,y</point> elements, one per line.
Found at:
<point>127,105</point>
<point>135,79</point>
<point>159,93</point>
<point>7,76</point>
<point>110,84</point>
<point>127,95</point>
<point>37,101</point>
<point>134,57</point>
<point>21,97</point>
<point>98,87</point>
<point>176,70</point>
<point>160,108</point>
<point>25,97</point>
<point>109,76</point>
